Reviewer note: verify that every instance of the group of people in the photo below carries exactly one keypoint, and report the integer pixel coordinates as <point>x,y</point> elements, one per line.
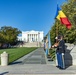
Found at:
<point>60,51</point>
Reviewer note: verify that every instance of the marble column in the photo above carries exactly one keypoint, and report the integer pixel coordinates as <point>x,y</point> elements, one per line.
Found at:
<point>30,37</point>
<point>34,37</point>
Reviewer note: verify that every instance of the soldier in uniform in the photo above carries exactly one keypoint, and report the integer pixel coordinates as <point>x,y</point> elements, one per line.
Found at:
<point>61,51</point>
<point>57,53</point>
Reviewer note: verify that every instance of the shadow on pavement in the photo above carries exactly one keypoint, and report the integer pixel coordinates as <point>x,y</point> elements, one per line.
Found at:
<point>4,73</point>
<point>16,62</point>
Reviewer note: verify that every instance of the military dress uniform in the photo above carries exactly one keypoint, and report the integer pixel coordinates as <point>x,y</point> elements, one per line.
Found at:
<point>60,54</point>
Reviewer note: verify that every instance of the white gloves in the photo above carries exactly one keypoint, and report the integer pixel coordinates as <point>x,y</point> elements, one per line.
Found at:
<point>62,53</point>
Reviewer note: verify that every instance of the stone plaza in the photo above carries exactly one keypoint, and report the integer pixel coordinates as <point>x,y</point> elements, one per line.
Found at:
<point>36,63</point>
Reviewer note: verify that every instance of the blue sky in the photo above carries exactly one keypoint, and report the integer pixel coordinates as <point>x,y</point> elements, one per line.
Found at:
<point>28,14</point>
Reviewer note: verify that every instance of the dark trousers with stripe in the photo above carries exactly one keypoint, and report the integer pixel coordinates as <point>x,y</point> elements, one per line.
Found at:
<point>60,60</point>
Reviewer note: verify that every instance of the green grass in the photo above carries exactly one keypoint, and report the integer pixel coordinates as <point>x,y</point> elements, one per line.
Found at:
<point>16,53</point>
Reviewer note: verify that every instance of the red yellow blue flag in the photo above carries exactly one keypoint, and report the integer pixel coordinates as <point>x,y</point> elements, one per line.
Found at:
<point>62,17</point>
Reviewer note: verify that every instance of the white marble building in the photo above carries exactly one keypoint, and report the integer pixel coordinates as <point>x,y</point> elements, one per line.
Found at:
<point>31,36</point>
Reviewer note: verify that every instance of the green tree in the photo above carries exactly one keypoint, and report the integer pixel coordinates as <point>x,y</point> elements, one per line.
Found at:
<point>9,34</point>
<point>69,8</point>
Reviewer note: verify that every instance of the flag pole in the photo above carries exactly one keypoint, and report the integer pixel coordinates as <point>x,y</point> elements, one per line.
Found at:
<point>57,27</point>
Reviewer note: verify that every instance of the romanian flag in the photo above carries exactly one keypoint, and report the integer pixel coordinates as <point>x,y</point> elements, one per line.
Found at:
<point>62,17</point>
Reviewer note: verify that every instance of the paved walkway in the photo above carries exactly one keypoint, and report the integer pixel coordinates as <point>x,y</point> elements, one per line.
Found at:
<point>37,57</point>
<point>35,63</point>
